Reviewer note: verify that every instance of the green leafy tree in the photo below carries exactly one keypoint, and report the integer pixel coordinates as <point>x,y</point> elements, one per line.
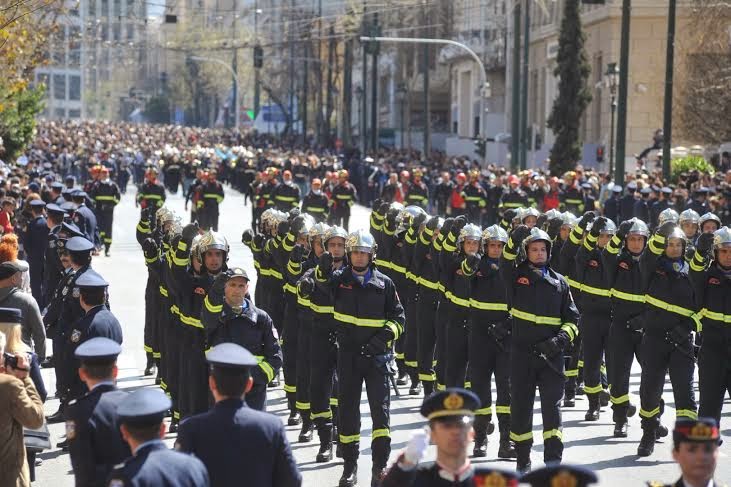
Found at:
<point>574,96</point>
<point>18,118</point>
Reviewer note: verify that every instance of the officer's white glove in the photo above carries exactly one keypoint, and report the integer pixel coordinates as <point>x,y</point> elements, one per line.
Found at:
<point>416,447</point>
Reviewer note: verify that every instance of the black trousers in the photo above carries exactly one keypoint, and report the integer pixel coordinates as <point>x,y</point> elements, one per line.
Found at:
<point>290,339</point>
<point>624,346</point>
<point>595,332</point>
<point>658,358</point>
<point>341,218</point>
<point>353,370</point>
<point>527,372</point>
<point>410,296</point>
<point>487,357</point>
<point>426,320</point>
<point>193,372</point>
<point>323,380</point>
<point>150,333</point>
<point>441,323</point>
<point>105,222</point>
<point>457,346</point>
<point>302,369</point>
<point>714,372</point>
<point>256,398</point>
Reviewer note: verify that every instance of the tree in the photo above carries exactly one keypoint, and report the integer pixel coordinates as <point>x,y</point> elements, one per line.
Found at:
<point>574,96</point>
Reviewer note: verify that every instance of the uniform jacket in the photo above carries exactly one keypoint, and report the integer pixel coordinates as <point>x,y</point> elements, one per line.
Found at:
<point>255,451</point>
<point>429,475</point>
<point>286,196</point>
<point>21,407</point>
<point>595,295</point>
<point>713,294</point>
<point>151,194</point>
<point>85,219</point>
<point>92,429</point>
<point>624,279</point>
<point>317,205</point>
<point>343,197</point>
<point>153,465</point>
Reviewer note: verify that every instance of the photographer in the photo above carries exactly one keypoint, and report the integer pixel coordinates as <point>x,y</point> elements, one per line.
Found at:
<point>22,407</point>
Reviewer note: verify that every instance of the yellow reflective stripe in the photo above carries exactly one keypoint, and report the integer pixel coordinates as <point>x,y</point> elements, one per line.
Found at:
<point>334,401</point>
<point>354,320</point>
<point>289,388</point>
<point>572,373</point>
<point>265,367</point>
<point>180,262</point>
<point>427,377</point>
<point>590,242</point>
<point>395,329</point>
<point>706,313</point>
<point>620,399</point>
<point>156,355</point>
<point>580,363</point>
<point>381,433</point>
<point>686,413</point>
<point>265,271</point>
<point>142,229</point>
<point>321,309</point>
<point>593,390</point>
<point>343,196</point>
<point>539,320</point>
<point>483,411</point>
<point>185,319</point>
<point>314,209</point>
<point>345,439</point>
<point>275,273</point>
<point>457,300</point>
<point>574,283</point>
<point>653,244</point>
<point>649,414</point>
<point>556,433</point>
<point>302,405</point>
<point>398,268</point>
<point>614,245</point>
<point>635,298</point>
<point>572,201</point>
<point>502,409</point>
<point>289,288</point>
<point>411,363</point>
<point>428,284</point>
<point>383,263</point>
<point>521,437</point>
<point>658,303</point>
<point>104,198</point>
<point>163,291</point>
<point>147,349</point>
<point>571,329</point>
<point>596,290</point>
<point>303,301</point>
<point>399,356</point>
<point>326,415</point>
<point>151,260</point>
<point>146,196</point>
<point>285,198</point>
<point>488,306</point>
<point>212,307</point>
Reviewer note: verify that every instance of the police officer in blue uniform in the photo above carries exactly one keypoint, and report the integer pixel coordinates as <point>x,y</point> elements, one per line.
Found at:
<point>255,446</point>
<point>35,239</point>
<point>141,418</point>
<point>92,426</point>
<point>84,217</point>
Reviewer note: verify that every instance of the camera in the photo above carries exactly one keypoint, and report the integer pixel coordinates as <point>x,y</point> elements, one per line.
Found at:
<point>10,360</point>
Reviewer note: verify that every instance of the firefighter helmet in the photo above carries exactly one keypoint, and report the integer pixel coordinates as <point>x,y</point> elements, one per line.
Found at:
<point>494,232</point>
<point>667,215</point>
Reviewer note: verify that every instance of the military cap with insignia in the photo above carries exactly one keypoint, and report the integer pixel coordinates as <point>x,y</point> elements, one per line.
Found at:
<point>57,186</point>
<point>666,190</point>
<point>79,194</point>
<point>79,244</point>
<point>701,430</point>
<point>54,208</point>
<point>560,475</point>
<point>631,186</point>
<point>237,272</point>
<point>91,279</point>
<point>10,315</point>
<point>230,356</point>
<point>71,230</point>
<point>494,477</point>
<point>646,190</point>
<point>144,406</point>
<point>450,403</point>
<point>98,349</point>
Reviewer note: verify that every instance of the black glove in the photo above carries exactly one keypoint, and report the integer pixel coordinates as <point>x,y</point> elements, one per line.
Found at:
<point>666,229</point>
<point>418,220</point>
<point>297,252</point>
<point>306,287</point>
<point>383,208</point>
<point>459,223</point>
<point>623,229</point>
<point>447,226</point>
<point>519,234</point>
<point>189,232</point>
<point>541,221</point>
<point>378,343</point>
<point>705,243</point>
<point>259,241</point>
<point>282,229</point>
<point>148,214</point>
<point>391,215</point>
<point>502,329</point>
<point>508,215</point>
<point>149,246</point>
<point>377,203</point>
<point>586,219</point>
<point>219,283</point>
<point>298,223</point>
<point>248,236</point>
<point>554,226</point>
<point>293,213</point>
<point>549,348</point>
<point>473,261</point>
<point>326,262</point>
<point>636,324</point>
<point>679,335</point>
<point>598,226</point>
<point>432,223</point>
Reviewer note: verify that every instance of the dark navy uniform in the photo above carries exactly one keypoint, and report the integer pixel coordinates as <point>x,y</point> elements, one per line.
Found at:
<point>286,196</point>
<point>35,240</point>
<point>317,205</point>
<point>92,426</point>
<point>344,195</point>
<point>560,475</point>
<point>151,194</point>
<point>256,447</point>
<point>153,464</point>
<point>106,196</point>
<point>212,199</point>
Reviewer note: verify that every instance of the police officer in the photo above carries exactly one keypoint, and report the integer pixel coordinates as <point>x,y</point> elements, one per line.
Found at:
<point>316,203</point>
<point>612,206</point>
<point>627,203</point>
<point>450,414</point>
<point>709,271</point>
<point>84,217</point>
<point>256,446</point>
<point>92,425</point>
<point>56,189</point>
<point>555,475</point>
<point>544,325</point>
<point>52,269</point>
<point>141,422</point>
<point>151,193</point>
<point>229,316</point>
<point>369,317</point>
<point>106,196</point>
<point>344,195</point>
<point>35,239</point>
<point>662,203</point>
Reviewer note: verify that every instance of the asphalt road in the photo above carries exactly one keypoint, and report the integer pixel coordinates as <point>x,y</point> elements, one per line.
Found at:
<point>588,444</point>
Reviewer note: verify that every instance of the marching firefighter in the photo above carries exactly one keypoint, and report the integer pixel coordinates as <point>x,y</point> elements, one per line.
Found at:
<point>710,271</point>
<point>475,198</point>
<point>286,195</point>
<point>212,199</point>
<point>544,325</point>
<point>106,196</point>
<point>418,192</point>
<point>369,318</point>
<point>668,318</point>
<point>316,203</point>
<point>151,193</point>
<point>343,197</point>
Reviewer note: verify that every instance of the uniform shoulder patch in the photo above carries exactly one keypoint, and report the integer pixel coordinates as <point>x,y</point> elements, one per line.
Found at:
<point>76,292</point>
<point>70,429</point>
<point>714,280</point>
<point>523,280</point>
<point>75,336</point>
<point>624,265</point>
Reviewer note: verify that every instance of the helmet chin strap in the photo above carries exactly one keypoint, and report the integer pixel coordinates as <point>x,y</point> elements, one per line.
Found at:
<point>360,269</point>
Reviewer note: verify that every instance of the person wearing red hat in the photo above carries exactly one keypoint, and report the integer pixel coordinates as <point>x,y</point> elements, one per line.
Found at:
<point>316,203</point>
<point>344,196</point>
<point>514,197</point>
<point>287,194</point>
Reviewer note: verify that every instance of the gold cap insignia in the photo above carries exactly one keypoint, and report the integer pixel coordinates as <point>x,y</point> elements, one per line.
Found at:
<point>701,431</point>
<point>564,478</point>
<point>453,401</point>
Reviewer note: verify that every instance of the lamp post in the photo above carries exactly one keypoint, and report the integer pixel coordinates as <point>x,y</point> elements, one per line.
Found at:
<point>401,99</point>
<point>361,125</point>
<point>611,81</point>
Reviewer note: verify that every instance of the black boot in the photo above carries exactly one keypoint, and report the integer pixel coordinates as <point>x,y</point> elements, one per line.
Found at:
<point>480,426</point>
<point>631,410</point>
<point>350,474</point>
<point>506,448</point>
<point>428,387</point>
<point>661,432</point>
<point>58,416</point>
<point>325,433</point>
<point>647,442</point>
<point>377,474</point>
<point>620,429</point>
<point>307,429</point>
<point>402,378</point>
<point>604,398</point>
<point>294,415</point>
<point>523,458</point>
<point>106,250</point>
<point>593,413</point>
<point>415,389</point>
<point>150,367</point>
<point>569,398</point>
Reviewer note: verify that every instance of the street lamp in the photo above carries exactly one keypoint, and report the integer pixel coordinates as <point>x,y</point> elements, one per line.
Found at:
<point>401,99</point>
<point>359,96</point>
<point>611,81</point>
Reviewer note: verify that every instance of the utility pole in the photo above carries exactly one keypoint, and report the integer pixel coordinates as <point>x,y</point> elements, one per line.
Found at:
<point>305,90</point>
<point>427,100</point>
<point>515,121</point>
<point>668,112</point>
<point>329,88</point>
<point>622,101</point>
<point>257,87</point>
<point>348,93</point>
<point>374,88</point>
<point>364,79</point>
<point>318,100</point>
<point>524,89</point>
<point>234,68</point>
<point>291,64</point>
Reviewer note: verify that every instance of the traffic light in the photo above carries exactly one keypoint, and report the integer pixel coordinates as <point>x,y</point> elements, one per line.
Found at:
<point>258,57</point>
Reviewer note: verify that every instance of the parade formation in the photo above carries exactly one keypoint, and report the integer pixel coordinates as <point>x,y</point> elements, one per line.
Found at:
<point>469,279</point>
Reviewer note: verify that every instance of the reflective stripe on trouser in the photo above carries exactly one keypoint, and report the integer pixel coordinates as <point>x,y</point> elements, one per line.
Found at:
<point>289,350</point>
<point>487,359</point>
<point>426,319</point>
<point>353,370</point>
<point>713,366</point>
<point>624,346</point>
<point>457,348</point>
<point>304,334</point>
<point>572,367</point>
<point>658,357</point>
<point>322,375</point>
<point>595,330</point>
<point>526,373</point>
<point>105,223</point>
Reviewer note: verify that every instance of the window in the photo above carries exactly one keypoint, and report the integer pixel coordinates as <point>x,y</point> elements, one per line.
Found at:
<point>74,113</point>
<point>75,87</point>
<point>105,8</point>
<point>130,32</point>
<point>59,86</point>
<point>117,8</point>
<point>92,8</point>
<point>59,113</point>
<point>116,32</point>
